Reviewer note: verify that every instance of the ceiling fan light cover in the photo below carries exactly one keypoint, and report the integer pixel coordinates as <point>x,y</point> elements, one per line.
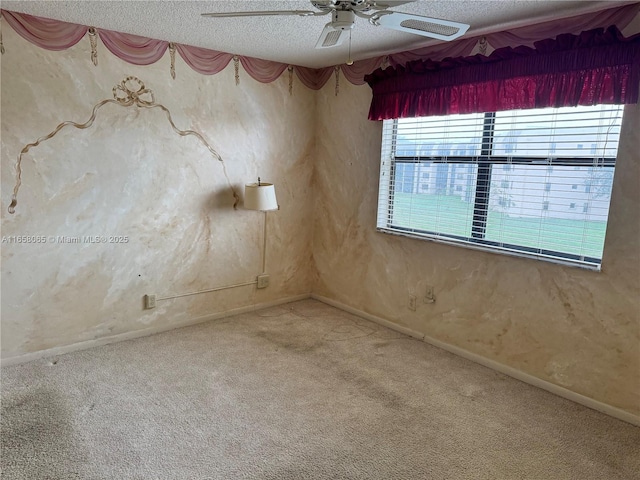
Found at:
<point>424,26</point>
<point>429,27</point>
<point>330,37</point>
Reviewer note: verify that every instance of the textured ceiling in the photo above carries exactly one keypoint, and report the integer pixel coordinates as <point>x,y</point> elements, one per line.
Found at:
<point>291,39</point>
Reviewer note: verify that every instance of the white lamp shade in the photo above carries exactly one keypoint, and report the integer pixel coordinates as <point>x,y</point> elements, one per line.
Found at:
<point>260,197</point>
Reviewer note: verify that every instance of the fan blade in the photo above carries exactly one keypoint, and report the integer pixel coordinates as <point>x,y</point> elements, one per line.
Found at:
<point>419,25</point>
<point>257,13</point>
<point>384,4</point>
<point>330,37</point>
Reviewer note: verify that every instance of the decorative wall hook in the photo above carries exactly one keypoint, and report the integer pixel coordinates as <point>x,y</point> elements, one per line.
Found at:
<point>172,56</point>
<point>94,45</point>
<point>236,67</point>
<point>290,70</point>
<point>482,46</point>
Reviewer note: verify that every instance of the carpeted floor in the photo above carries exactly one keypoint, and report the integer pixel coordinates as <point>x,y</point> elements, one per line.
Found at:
<point>301,391</point>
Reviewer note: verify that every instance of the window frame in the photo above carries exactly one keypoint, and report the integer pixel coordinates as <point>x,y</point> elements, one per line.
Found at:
<point>485,163</point>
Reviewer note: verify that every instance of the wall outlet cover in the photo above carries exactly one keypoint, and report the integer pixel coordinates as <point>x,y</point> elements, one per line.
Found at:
<point>430,296</point>
<point>412,303</point>
<point>263,281</point>
<point>149,301</point>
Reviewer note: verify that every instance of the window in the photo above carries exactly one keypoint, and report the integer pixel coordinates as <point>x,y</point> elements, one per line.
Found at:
<point>518,190</point>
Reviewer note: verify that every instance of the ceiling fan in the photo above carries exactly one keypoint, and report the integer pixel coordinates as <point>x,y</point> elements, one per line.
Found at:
<point>344,13</point>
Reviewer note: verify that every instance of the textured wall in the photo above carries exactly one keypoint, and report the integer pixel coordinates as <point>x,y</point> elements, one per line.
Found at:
<point>131,175</point>
<point>569,326</point>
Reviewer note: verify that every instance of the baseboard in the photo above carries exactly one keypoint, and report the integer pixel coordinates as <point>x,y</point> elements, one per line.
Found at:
<point>474,357</point>
<point>51,352</point>
<point>510,371</point>
<point>368,316</point>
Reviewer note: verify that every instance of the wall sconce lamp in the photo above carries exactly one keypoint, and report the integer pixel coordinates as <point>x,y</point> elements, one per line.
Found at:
<point>261,196</point>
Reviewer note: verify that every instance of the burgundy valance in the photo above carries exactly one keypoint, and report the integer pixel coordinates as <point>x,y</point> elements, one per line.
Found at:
<point>597,66</point>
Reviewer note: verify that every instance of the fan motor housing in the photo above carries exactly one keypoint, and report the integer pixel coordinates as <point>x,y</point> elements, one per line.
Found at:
<point>343,19</point>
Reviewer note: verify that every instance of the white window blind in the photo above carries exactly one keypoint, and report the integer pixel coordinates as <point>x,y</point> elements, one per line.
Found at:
<point>529,182</point>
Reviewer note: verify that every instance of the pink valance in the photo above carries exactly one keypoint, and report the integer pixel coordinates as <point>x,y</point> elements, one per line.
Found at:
<point>206,62</point>
<point>264,71</point>
<point>461,47</point>
<point>56,35</point>
<point>355,73</point>
<point>594,67</point>
<point>314,78</point>
<point>527,36</point>
<point>132,48</point>
<point>45,33</point>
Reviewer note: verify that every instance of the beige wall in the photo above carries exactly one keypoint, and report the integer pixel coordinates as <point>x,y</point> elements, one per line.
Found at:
<point>575,328</point>
<point>131,175</point>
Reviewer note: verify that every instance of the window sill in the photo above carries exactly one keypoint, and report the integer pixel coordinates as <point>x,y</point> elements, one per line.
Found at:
<point>492,249</point>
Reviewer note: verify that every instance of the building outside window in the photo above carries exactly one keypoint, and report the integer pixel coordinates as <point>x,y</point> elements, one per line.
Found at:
<point>515,188</point>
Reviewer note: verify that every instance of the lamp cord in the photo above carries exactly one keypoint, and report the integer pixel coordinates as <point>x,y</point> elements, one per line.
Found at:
<point>264,244</point>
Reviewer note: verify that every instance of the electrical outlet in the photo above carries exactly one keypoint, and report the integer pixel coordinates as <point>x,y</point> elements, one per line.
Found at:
<point>430,296</point>
<point>412,303</point>
<point>149,301</point>
<point>263,281</point>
